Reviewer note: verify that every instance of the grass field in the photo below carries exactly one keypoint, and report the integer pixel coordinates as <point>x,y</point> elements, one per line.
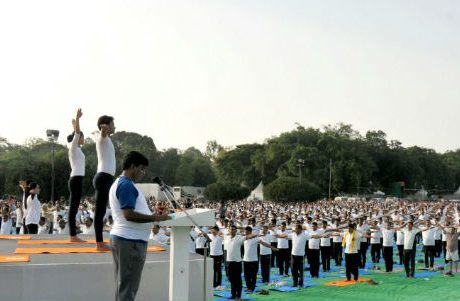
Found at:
<point>390,286</point>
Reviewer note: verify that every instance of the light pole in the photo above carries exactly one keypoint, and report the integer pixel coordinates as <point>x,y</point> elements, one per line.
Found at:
<point>53,136</point>
<point>330,177</point>
<point>300,164</point>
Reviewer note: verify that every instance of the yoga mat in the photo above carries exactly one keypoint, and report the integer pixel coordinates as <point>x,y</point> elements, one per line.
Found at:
<point>55,242</point>
<point>72,250</point>
<point>226,299</point>
<point>284,289</point>
<point>342,283</point>
<point>423,274</point>
<point>14,258</point>
<point>227,295</point>
<point>16,237</point>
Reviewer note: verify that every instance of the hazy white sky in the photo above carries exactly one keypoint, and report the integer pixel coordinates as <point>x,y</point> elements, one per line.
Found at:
<point>185,72</point>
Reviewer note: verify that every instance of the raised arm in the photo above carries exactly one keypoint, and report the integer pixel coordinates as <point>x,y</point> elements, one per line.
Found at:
<point>76,122</point>
<point>263,243</point>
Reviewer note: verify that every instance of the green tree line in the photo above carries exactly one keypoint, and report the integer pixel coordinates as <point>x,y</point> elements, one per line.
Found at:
<point>360,163</point>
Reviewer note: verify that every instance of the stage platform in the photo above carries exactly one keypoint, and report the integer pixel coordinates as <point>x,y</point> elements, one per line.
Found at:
<point>76,277</point>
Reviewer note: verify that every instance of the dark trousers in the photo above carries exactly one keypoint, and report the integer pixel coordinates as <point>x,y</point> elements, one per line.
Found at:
<point>75,190</point>
<point>438,248</point>
<point>401,254</point>
<point>199,251</point>
<point>409,262</point>
<point>225,263</point>
<point>18,230</point>
<point>326,258</point>
<point>337,253</point>
<point>283,261</point>
<point>32,228</point>
<point>101,182</point>
<point>297,270</point>
<point>234,276</point>
<point>217,278</point>
<point>351,265</point>
<point>375,252</point>
<point>429,256</point>
<point>388,257</point>
<point>265,267</point>
<point>362,254</point>
<point>314,263</point>
<point>307,252</point>
<point>273,259</point>
<point>26,231</point>
<point>250,274</point>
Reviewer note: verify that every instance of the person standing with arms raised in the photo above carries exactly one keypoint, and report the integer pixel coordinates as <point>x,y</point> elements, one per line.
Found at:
<point>106,166</point>
<point>77,164</point>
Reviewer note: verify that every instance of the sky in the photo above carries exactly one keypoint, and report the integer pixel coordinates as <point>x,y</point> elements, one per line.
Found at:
<point>186,72</point>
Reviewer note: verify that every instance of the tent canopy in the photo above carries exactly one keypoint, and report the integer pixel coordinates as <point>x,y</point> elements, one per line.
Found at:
<point>258,193</point>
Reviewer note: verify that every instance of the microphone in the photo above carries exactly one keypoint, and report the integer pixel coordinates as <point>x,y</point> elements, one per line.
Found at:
<point>159,181</point>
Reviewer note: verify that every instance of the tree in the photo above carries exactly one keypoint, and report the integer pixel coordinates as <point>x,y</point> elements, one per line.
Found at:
<point>225,191</point>
<point>235,166</point>
<point>289,189</point>
<point>213,149</point>
<point>194,169</point>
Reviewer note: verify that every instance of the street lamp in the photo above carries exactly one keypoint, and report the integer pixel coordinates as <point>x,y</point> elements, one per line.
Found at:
<point>53,136</point>
<point>300,164</point>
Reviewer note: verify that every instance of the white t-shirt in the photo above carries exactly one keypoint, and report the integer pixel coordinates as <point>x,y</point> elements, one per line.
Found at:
<point>122,227</point>
<point>298,243</point>
<point>234,248</point>
<point>250,249</point>
<point>409,237</point>
<point>19,217</point>
<point>226,237</point>
<point>338,238</point>
<point>33,210</point>
<point>376,236</point>
<point>282,242</point>
<point>105,155</point>
<point>363,229</point>
<point>399,238</point>
<point>200,241</point>
<point>216,245</point>
<point>159,237</point>
<point>263,249</point>
<point>388,237</point>
<point>76,157</point>
<point>428,237</point>
<point>313,243</point>
<point>325,241</point>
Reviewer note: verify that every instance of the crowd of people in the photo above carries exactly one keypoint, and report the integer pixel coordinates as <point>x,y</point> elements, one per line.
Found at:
<point>292,236</point>
<point>289,236</point>
<point>298,236</point>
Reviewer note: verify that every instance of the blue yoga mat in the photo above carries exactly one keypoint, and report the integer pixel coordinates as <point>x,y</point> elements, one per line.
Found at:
<point>227,295</point>
<point>226,299</point>
<point>423,275</point>
<point>284,289</point>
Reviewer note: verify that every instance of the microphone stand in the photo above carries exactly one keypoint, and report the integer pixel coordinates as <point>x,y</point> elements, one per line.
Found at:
<point>170,198</point>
